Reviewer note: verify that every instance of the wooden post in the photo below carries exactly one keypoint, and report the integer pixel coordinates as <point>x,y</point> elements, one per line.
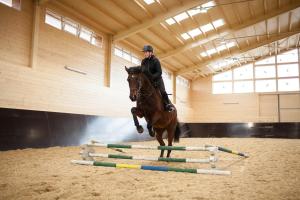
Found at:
<point>174,87</point>
<point>107,62</point>
<point>35,35</point>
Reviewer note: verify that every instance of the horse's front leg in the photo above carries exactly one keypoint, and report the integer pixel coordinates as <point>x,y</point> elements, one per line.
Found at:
<point>136,112</point>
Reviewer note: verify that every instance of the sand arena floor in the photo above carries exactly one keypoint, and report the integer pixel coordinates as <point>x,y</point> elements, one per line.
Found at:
<point>271,172</point>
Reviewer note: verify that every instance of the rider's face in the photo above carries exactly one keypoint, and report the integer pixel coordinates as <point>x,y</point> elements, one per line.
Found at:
<point>147,54</point>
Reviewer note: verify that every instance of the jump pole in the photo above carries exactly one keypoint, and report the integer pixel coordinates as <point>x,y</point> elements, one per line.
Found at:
<point>88,156</point>
<point>177,148</point>
<point>223,149</point>
<point>154,168</point>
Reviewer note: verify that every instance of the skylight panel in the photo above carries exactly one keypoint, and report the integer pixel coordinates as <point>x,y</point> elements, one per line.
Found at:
<point>211,51</point>
<point>185,36</point>
<point>221,48</point>
<point>194,32</point>
<point>194,11</point>
<point>170,21</point>
<point>208,4</point>
<point>218,23</point>
<point>181,16</point>
<point>148,2</point>
<point>203,54</point>
<point>230,44</point>
<point>206,28</point>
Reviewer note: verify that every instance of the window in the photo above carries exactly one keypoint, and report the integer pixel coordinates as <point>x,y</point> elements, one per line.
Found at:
<point>126,55</point>
<point>167,80</point>
<point>53,20</point>
<point>265,85</point>
<point>85,34</point>
<point>135,60</point>
<point>289,84</point>
<point>270,60</point>
<point>222,87</point>
<point>118,51</point>
<point>288,70</point>
<point>182,81</point>
<point>225,76</point>
<point>244,72</point>
<point>265,72</point>
<point>72,27</point>
<point>243,86</point>
<point>12,3</point>
<point>290,56</point>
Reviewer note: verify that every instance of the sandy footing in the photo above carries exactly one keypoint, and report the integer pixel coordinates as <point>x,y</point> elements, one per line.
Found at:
<point>271,172</point>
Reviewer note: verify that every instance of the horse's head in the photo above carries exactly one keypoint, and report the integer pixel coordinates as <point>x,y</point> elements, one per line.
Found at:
<point>134,82</point>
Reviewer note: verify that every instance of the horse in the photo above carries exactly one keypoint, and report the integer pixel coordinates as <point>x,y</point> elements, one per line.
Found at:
<point>149,105</point>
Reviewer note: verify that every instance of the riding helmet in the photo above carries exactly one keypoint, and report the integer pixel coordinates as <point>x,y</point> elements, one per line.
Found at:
<point>147,48</point>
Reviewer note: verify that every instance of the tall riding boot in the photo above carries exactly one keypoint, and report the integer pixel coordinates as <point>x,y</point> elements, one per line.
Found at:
<point>168,106</point>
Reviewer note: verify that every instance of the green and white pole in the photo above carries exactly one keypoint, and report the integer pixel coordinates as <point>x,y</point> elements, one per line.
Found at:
<point>87,155</point>
<point>177,148</point>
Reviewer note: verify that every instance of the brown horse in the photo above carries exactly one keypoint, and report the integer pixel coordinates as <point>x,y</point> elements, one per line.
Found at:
<point>150,106</point>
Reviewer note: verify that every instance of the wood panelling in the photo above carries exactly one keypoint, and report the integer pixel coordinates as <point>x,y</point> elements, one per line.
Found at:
<point>252,107</point>
<point>49,86</point>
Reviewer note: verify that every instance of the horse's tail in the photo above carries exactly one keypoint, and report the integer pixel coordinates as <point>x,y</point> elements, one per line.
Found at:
<point>177,133</point>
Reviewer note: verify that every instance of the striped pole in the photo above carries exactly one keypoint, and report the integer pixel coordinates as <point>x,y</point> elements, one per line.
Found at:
<point>177,148</point>
<point>154,168</point>
<point>229,151</point>
<point>116,156</point>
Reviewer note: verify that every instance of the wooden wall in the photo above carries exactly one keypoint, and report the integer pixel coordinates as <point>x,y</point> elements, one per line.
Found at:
<point>253,107</point>
<point>49,86</point>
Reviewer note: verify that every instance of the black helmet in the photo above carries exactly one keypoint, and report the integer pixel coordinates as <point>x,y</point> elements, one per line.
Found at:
<point>147,48</point>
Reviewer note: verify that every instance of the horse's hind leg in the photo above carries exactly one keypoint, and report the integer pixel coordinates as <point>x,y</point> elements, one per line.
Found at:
<point>159,133</point>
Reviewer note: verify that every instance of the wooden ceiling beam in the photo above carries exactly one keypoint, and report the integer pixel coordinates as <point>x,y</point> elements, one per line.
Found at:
<point>275,13</point>
<point>241,51</point>
<point>155,20</point>
<point>41,2</point>
<point>226,31</point>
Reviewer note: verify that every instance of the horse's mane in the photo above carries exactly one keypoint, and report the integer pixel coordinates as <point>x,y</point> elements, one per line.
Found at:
<point>134,70</point>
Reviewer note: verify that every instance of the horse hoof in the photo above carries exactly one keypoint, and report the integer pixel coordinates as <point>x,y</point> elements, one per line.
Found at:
<point>140,129</point>
<point>152,133</point>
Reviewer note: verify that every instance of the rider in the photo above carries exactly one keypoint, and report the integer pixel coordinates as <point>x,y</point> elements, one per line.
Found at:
<point>151,68</point>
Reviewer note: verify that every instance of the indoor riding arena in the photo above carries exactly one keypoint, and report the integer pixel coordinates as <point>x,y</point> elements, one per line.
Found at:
<point>150,99</point>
